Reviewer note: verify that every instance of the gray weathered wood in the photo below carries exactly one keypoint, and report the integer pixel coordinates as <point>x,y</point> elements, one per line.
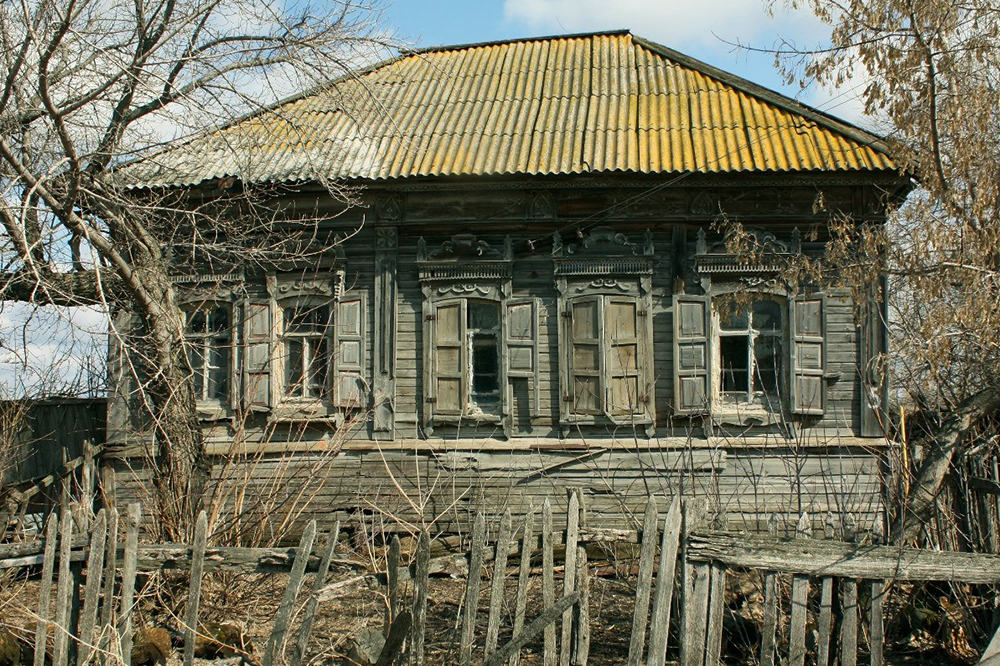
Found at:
<point>646,554</point>
<point>110,566</point>
<point>283,618</point>
<point>716,611</point>
<point>419,627</point>
<point>64,589</point>
<point>45,590</point>
<point>797,621</point>
<point>849,623</point>
<point>769,626</point>
<point>549,657</point>
<point>190,627</point>
<point>519,640</point>
<point>581,619</point>
<point>523,578</point>
<point>472,590</point>
<point>391,584</point>
<point>697,589</point>
<point>497,589</point>
<point>92,594</point>
<point>877,635</point>
<point>309,615</point>
<point>129,566</point>
<point>660,622</point>
<point>569,575</point>
<point>824,624</point>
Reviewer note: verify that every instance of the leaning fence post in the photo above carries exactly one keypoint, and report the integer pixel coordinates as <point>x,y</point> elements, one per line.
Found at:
<point>800,600</point>
<point>194,593</point>
<point>549,657</point>
<point>695,592</point>
<point>523,578</point>
<point>45,589</point>
<point>581,619</point>
<point>64,588</point>
<point>497,589</point>
<point>660,623</point>
<point>129,566</point>
<point>646,553</point>
<point>569,573</point>
<point>472,589</point>
<point>391,585</point>
<point>310,613</point>
<point>417,629</point>
<point>284,615</point>
<point>91,597</point>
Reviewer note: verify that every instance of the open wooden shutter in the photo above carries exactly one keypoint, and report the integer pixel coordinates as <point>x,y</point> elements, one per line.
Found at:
<point>622,334</point>
<point>521,348</point>
<point>586,360</point>
<point>257,375</point>
<point>808,390</point>
<point>692,356</point>
<point>349,357</point>
<point>448,385</point>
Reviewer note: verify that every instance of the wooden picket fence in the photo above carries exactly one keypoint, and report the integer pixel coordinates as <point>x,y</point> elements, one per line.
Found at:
<point>837,568</point>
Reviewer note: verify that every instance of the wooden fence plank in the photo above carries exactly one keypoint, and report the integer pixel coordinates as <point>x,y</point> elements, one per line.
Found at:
<point>45,590</point>
<point>110,566</point>
<point>663,595</point>
<point>824,625</point>
<point>569,573</point>
<point>646,554</point>
<point>309,615</point>
<point>769,627</point>
<point>64,589</point>
<point>523,578</point>
<point>472,590</point>
<point>129,565</point>
<point>849,623</point>
<point>696,597</point>
<point>275,643</point>
<point>547,617</point>
<point>190,627</point>
<point>549,657</point>
<point>716,611</point>
<point>419,627</point>
<point>497,589</point>
<point>797,621</point>
<point>392,585</point>
<point>581,619</point>
<point>92,594</point>
<point>877,636</point>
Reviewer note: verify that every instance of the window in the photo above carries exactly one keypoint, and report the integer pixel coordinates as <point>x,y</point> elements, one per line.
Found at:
<point>768,353</point>
<point>207,337</point>
<point>306,353</point>
<point>467,358</point>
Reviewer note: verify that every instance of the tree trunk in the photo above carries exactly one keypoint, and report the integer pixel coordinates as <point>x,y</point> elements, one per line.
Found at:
<point>948,441</point>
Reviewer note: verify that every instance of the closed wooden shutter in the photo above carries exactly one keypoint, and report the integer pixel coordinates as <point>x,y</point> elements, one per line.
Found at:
<point>692,355</point>
<point>521,347</point>
<point>807,334</point>
<point>349,357</point>
<point>622,333</point>
<point>585,357</point>
<point>258,339</point>
<point>449,359</point>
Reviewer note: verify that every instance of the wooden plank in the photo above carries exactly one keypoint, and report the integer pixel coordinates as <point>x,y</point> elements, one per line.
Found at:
<point>545,619</point>
<point>697,591</point>
<point>769,626</point>
<point>660,623</point>
<point>849,623</point>
<point>92,593</point>
<point>877,636</point>
<point>824,624</point>
<point>309,616</point>
<point>797,622</point>
<point>569,573</point>
<point>497,589</point>
<point>523,578</point>
<point>64,589</point>
<point>392,585</point>
<point>647,551</point>
<point>110,566</point>
<point>472,590</point>
<point>275,643</point>
<point>581,620</point>
<point>419,627</point>
<point>129,566</point>
<point>716,611</point>
<point>549,657</point>
<point>190,627</point>
<point>45,590</point>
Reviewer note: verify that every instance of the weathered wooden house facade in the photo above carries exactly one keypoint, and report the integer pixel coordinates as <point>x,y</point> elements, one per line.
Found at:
<point>533,293</point>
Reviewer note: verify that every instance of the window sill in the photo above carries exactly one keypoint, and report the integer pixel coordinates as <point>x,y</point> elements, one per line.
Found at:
<point>746,415</point>
<point>210,410</point>
<point>468,419</point>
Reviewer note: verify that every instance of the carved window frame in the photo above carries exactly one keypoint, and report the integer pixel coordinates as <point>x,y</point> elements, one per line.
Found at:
<point>606,268</point>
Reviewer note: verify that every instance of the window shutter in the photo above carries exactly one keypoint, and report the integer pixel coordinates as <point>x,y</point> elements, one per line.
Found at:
<point>449,362</point>
<point>257,377</point>
<point>622,333</point>
<point>520,346</point>
<point>585,357</point>
<point>807,328</point>
<point>349,358</point>
<point>692,357</point>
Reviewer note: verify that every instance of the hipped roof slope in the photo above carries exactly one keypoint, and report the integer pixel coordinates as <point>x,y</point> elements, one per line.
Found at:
<point>577,104</point>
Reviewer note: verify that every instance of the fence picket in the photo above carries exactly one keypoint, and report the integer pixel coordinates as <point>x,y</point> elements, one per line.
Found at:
<point>129,566</point>
<point>523,578</point>
<point>64,589</point>
<point>194,592</point>
<point>569,575</point>
<point>581,619</point>
<point>549,657</point>
<point>110,566</point>
<point>284,616</point>
<point>45,589</point>
<point>663,595</point>
<point>770,625</point>
<point>472,590</point>
<point>716,611</point>
<point>800,601</point>
<point>310,612</point>
<point>642,591</point>
<point>849,623</point>
<point>694,598</point>
<point>497,589</point>
<point>91,597</point>
<point>824,625</point>
<point>392,584</point>
<point>418,629</point>
<point>877,636</point>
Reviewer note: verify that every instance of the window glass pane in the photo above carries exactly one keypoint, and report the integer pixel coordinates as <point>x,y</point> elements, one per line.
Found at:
<point>733,317</point>
<point>734,358</point>
<point>318,364</point>
<point>218,372</point>
<point>767,354</point>
<point>305,319</point>
<point>196,321</point>
<point>218,320</point>
<point>766,316</point>
<point>196,359</point>
<point>485,365</point>
<point>483,315</point>
<point>294,360</point>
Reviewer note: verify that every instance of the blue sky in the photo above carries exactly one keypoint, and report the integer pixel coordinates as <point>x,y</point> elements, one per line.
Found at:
<point>704,29</point>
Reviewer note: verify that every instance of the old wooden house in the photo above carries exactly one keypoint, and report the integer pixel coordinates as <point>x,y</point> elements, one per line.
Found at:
<point>533,291</point>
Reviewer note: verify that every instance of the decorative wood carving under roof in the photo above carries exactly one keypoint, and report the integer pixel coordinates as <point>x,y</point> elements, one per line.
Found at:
<point>602,251</point>
<point>465,257</point>
<point>766,253</point>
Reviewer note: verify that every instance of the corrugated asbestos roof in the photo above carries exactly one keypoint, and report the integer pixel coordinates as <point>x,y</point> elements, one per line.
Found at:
<point>558,105</point>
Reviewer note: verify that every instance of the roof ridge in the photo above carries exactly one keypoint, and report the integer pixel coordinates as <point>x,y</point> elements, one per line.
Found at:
<point>515,40</point>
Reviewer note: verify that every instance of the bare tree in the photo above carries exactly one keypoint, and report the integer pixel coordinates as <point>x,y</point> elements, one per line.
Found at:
<point>89,85</point>
<point>931,71</point>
